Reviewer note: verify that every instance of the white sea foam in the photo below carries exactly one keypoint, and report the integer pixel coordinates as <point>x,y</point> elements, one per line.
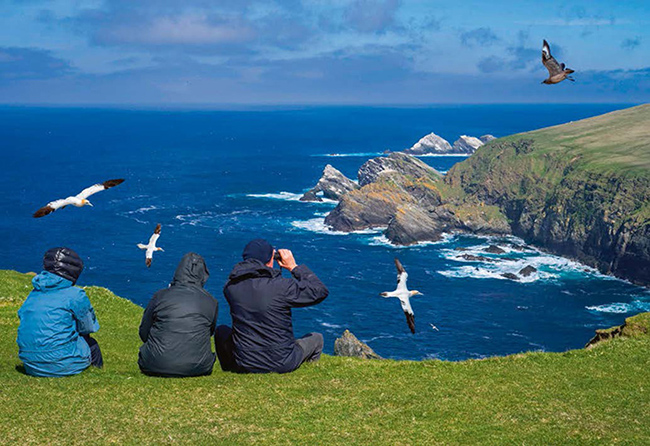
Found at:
<point>382,240</point>
<point>621,307</point>
<point>290,196</point>
<point>318,225</point>
<point>354,154</point>
<point>328,325</point>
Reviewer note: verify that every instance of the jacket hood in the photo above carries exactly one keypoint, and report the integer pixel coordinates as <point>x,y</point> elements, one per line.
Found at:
<point>250,269</point>
<point>191,270</point>
<point>46,281</point>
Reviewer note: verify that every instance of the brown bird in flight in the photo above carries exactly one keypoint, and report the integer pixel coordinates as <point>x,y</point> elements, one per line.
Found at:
<point>79,200</point>
<point>556,72</point>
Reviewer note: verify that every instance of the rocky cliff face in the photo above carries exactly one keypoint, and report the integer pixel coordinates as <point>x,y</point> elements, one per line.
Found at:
<point>563,202</point>
<point>332,184</point>
<point>430,143</point>
<point>406,196</point>
<point>467,144</point>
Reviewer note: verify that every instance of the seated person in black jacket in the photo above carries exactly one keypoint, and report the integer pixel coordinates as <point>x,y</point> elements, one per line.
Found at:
<point>261,339</point>
<point>178,324</point>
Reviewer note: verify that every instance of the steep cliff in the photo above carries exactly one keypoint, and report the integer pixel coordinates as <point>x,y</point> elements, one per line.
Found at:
<point>580,189</point>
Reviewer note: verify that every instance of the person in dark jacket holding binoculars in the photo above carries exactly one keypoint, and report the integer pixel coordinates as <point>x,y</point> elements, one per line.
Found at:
<point>261,339</point>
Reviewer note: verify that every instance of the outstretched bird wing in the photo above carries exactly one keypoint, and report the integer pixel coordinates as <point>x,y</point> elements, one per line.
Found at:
<point>50,207</point>
<point>87,192</point>
<point>549,61</point>
<point>410,320</point>
<point>155,235</point>
<point>402,275</point>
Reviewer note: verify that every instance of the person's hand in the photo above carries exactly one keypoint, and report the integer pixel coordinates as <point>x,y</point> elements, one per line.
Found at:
<point>286,259</point>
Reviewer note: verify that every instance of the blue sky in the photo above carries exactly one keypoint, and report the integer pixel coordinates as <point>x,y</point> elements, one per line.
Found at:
<point>320,52</point>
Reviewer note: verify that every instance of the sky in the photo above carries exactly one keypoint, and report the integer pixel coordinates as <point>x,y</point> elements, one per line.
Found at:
<point>375,52</point>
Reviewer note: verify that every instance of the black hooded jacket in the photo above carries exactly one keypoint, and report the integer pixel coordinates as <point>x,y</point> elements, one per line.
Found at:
<point>260,302</point>
<point>178,324</point>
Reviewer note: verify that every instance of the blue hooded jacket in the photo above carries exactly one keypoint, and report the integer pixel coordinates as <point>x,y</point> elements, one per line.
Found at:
<point>52,318</point>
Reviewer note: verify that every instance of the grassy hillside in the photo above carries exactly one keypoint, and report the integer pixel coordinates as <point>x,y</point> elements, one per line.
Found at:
<point>580,189</point>
<point>597,396</point>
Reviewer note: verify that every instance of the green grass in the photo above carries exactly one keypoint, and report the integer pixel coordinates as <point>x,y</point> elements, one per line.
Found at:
<point>597,396</point>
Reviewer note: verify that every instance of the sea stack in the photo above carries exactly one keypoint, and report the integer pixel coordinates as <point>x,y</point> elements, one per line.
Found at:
<point>332,184</point>
<point>467,144</point>
<point>430,144</point>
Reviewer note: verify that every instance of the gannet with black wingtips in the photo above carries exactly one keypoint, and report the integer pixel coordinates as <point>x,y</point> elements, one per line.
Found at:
<point>151,246</point>
<point>403,294</point>
<point>556,72</point>
<point>79,200</point>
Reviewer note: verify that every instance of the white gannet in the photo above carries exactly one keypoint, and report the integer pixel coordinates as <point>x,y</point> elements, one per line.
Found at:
<point>556,72</point>
<point>78,200</point>
<point>151,246</point>
<point>403,294</point>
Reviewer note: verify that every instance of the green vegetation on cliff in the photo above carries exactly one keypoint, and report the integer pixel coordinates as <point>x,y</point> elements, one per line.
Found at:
<point>580,189</point>
<point>596,396</point>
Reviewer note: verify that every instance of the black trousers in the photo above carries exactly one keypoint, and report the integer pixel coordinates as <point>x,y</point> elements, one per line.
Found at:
<point>311,345</point>
<point>96,359</point>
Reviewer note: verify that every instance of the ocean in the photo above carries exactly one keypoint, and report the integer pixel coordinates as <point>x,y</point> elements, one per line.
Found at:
<point>216,179</point>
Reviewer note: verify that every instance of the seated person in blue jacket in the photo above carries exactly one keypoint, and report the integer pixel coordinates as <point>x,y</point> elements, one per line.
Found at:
<point>56,320</point>
<point>178,324</point>
<point>261,339</point>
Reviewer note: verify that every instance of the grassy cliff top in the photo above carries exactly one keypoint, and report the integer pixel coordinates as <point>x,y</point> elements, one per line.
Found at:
<point>596,396</point>
<point>613,141</point>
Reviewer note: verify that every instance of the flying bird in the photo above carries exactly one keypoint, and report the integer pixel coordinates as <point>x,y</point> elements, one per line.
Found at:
<point>79,200</point>
<point>151,246</point>
<point>403,294</point>
<point>556,72</point>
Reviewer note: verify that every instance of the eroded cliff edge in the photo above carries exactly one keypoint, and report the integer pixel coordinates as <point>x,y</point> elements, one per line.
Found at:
<point>580,190</point>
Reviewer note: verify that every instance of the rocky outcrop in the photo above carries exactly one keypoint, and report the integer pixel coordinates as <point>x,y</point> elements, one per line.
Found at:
<point>349,345</point>
<point>467,144</point>
<point>633,327</point>
<point>527,271</point>
<point>332,184</point>
<point>487,138</point>
<point>430,144</point>
<point>404,165</point>
<point>494,249</point>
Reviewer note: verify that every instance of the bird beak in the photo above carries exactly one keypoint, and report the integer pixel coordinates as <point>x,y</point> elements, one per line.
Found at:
<point>160,249</point>
<point>89,203</point>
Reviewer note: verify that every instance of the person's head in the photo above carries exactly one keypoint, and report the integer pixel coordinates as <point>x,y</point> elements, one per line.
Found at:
<point>63,262</point>
<point>191,270</point>
<point>261,250</point>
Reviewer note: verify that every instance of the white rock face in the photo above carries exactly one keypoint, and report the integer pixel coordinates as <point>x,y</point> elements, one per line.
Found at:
<point>487,138</point>
<point>431,143</point>
<point>467,144</point>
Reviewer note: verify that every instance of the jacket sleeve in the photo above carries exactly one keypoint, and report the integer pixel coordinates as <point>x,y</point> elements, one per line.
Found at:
<point>306,288</point>
<point>84,314</point>
<point>147,318</point>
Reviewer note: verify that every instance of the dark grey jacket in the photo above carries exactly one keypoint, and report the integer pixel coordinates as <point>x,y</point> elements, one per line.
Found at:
<point>178,324</point>
<point>260,302</point>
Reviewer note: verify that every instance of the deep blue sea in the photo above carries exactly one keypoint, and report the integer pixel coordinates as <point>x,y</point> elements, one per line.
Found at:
<point>216,179</point>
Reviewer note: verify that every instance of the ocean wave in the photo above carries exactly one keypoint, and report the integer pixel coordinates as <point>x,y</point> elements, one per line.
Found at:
<point>328,325</point>
<point>621,307</point>
<point>343,155</point>
<point>318,225</point>
<point>382,240</point>
<point>290,196</point>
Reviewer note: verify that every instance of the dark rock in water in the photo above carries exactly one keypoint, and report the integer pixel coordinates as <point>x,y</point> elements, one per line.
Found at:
<point>332,184</point>
<point>518,247</point>
<point>349,345</point>
<point>396,162</point>
<point>494,249</point>
<point>509,259</point>
<point>461,249</point>
<point>510,276</point>
<point>527,271</point>
<point>310,195</point>
<point>473,258</point>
